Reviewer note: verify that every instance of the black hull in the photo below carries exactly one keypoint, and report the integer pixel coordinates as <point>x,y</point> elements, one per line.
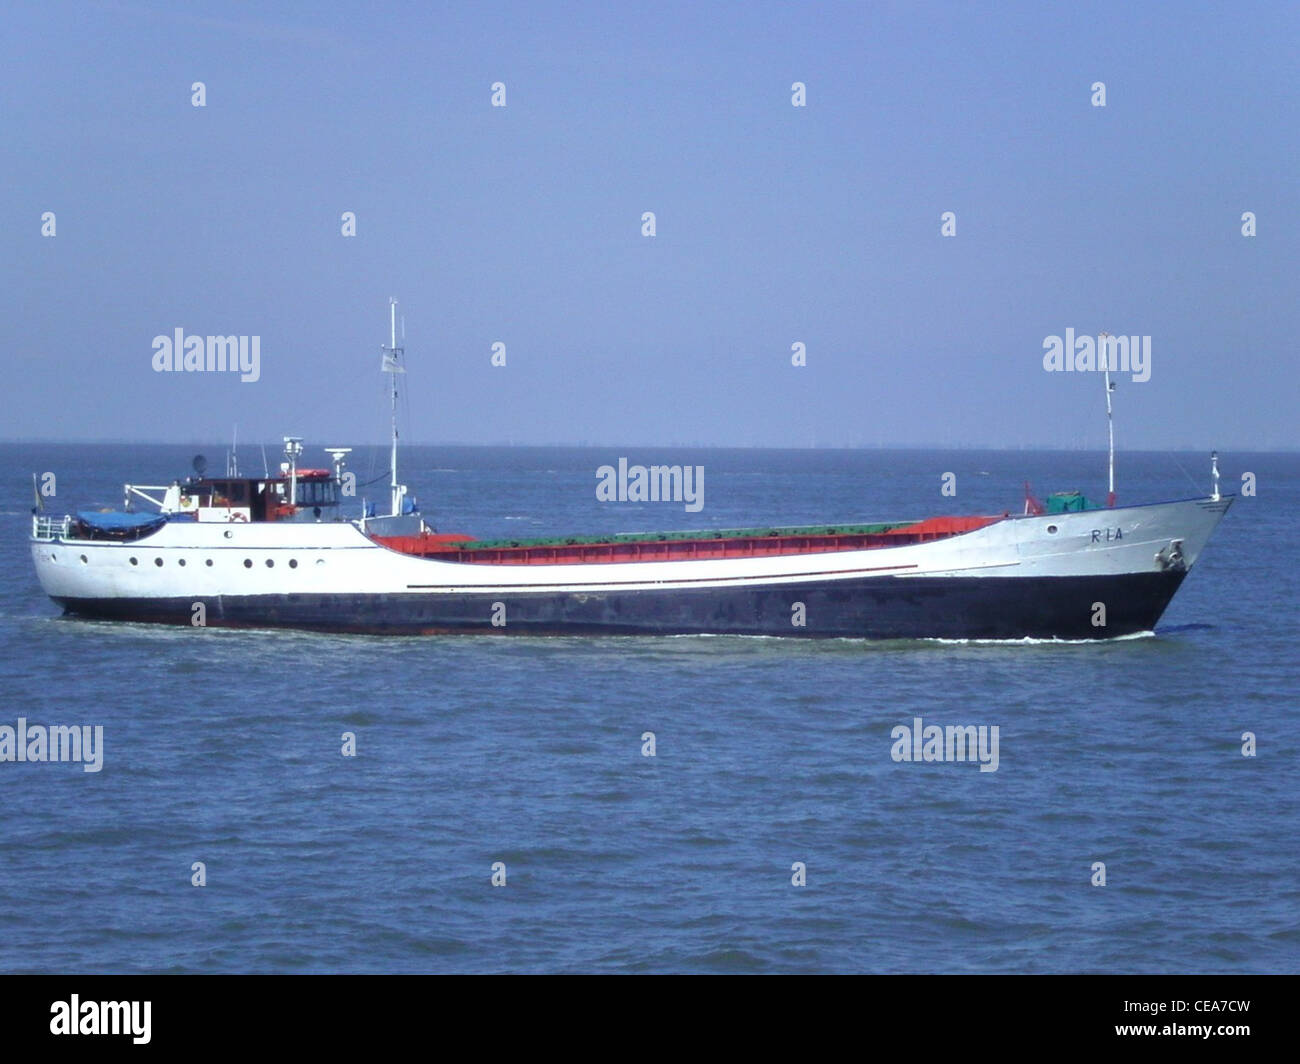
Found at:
<point>869,608</point>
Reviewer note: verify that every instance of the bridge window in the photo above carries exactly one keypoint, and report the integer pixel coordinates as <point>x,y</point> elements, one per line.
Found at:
<point>317,493</point>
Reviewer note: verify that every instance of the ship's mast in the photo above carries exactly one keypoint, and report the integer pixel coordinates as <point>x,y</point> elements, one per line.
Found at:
<point>1110,420</point>
<point>392,364</point>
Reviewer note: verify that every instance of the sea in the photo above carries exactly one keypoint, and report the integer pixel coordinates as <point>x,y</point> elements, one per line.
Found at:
<point>501,812</point>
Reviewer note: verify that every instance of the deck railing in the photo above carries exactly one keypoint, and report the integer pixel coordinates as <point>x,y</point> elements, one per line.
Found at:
<point>48,528</point>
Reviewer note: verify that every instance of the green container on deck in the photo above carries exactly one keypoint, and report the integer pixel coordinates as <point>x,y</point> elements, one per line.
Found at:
<point>1068,502</point>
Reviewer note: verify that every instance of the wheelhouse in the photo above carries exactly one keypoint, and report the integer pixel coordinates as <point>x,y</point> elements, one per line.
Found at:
<point>304,495</point>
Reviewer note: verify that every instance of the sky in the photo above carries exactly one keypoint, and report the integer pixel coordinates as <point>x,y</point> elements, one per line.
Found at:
<point>774,224</point>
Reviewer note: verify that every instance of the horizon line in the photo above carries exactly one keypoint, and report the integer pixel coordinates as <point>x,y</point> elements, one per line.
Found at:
<point>591,445</point>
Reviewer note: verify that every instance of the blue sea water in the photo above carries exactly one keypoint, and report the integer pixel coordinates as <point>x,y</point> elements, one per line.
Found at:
<point>225,747</point>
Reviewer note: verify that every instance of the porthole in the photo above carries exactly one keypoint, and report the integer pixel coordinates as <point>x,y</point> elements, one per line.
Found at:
<point>135,561</point>
<point>181,561</point>
<point>227,533</point>
<point>1051,529</point>
<point>208,562</point>
<point>293,563</point>
<point>248,563</point>
<point>53,557</point>
<point>83,559</point>
<point>158,562</point>
<point>320,561</point>
<point>270,564</point>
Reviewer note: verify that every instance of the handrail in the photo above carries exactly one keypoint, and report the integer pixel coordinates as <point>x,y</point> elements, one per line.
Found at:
<point>45,527</point>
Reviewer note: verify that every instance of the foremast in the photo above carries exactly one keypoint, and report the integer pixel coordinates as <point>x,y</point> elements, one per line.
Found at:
<point>392,365</point>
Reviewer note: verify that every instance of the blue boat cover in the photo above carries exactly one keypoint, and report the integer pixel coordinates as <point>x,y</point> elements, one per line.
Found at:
<point>116,521</point>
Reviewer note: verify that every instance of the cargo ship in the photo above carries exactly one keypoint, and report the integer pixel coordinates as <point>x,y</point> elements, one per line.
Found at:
<point>279,550</point>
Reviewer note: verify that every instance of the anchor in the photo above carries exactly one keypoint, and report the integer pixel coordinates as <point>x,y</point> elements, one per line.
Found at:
<point>1171,557</point>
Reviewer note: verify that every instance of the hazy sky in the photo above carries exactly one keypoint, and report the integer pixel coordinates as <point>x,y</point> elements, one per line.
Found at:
<point>775,224</point>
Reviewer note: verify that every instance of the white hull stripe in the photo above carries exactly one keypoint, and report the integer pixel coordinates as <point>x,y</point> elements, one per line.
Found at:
<point>700,581</point>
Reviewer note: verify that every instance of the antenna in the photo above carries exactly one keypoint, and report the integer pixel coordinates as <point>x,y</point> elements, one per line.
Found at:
<point>392,364</point>
<point>1214,474</point>
<point>292,451</point>
<point>232,455</point>
<point>1104,352</point>
<point>339,455</point>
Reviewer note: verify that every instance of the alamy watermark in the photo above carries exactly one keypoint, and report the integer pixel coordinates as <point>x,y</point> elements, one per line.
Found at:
<point>59,742</point>
<point>179,353</point>
<point>77,1017</point>
<point>1083,354</point>
<point>956,742</point>
<point>638,483</point>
